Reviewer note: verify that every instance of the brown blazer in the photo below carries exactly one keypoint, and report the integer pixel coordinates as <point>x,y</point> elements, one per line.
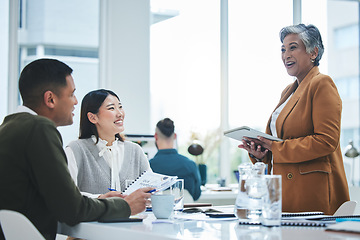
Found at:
<point>309,159</point>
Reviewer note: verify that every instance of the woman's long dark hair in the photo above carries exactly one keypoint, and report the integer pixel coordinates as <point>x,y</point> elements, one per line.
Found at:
<point>91,103</point>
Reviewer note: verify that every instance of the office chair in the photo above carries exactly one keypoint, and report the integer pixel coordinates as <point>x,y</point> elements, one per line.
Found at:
<point>347,208</point>
<point>16,226</point>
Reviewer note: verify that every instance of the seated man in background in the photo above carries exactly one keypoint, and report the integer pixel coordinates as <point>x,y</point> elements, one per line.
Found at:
<point>168,161</point>
<point>34,178</point>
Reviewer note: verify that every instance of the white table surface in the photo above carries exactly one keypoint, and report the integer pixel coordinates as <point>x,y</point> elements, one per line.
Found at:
<point>180,229</point>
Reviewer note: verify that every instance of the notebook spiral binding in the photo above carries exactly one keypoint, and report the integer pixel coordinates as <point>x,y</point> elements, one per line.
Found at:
<point>301,214</point>
<point>292,223</point>
<point>134,181</point>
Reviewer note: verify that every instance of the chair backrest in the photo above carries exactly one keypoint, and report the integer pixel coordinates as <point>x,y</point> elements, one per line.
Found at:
<point>347,208</point>
<point>16,226</point>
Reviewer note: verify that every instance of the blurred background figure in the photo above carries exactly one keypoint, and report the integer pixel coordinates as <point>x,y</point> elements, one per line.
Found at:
<point>168,161</point>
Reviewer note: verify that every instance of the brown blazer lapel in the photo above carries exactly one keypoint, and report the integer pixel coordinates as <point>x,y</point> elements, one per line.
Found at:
<point>288,107</point>
<point>293,100</point>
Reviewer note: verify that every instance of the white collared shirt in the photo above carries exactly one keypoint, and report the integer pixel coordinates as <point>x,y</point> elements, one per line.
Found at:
<point>23,108</point>
<point>114,157</point>
<point>274,117</point>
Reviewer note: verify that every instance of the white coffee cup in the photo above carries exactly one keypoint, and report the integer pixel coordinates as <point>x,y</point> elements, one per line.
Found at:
<point>162,205</point>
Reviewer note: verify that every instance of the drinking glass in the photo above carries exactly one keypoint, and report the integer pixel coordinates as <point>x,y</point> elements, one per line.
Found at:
<point>242,199</point>
<point>255,190</point>
<point>271,201</point>
<point>251,189</point>
<point>177,189</point>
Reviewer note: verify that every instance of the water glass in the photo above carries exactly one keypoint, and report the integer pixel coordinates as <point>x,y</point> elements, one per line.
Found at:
<point>255,190</point>
<point>251,189</point>
<point>271,201</point>
<point>177,189</point>
<point>242,199</point>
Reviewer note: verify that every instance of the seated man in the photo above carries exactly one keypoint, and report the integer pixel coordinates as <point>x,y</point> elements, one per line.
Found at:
<point>168,161</point>
<point>34,178</point>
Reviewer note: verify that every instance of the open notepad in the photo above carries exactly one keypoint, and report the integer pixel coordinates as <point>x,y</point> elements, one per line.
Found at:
<point>150,179</point>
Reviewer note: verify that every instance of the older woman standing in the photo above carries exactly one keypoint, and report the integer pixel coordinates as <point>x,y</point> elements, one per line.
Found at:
<point>308,119</point>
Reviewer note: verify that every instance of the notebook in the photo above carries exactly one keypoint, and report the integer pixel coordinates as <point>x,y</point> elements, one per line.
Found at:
<point>306,219</point>
<point>150,179</point>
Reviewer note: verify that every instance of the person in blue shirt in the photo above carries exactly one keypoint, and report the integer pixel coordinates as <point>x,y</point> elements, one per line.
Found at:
<point>168,161</point>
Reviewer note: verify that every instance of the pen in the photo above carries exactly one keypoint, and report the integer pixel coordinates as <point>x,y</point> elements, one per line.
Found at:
<point>111,189</point>
<point>347,219</point>
<point>152,191</point>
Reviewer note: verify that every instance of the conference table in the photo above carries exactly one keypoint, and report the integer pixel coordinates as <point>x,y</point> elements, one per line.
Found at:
<point>174,228</point>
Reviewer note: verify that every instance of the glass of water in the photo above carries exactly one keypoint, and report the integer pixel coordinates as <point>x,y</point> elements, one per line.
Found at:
<point>255,189</point>
<point>252,187</point>
<point>271,205</point>
<point>177,189</point>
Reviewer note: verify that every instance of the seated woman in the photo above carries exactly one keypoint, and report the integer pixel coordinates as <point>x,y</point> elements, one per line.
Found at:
<point>101,159</point>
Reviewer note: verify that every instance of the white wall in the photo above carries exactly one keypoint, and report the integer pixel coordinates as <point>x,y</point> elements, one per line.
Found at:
<point>124,58</point>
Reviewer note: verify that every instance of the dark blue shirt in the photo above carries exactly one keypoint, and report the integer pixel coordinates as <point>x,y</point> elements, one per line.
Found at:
<point>170,162</point>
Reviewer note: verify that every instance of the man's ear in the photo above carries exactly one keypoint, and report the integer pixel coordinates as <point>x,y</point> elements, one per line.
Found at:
<point>92,117</point>
<point>156,136</point>
<point>175,136</point>
<point>49,99</point>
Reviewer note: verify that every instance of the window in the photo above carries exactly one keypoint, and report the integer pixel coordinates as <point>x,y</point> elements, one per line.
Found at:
<point>346,37</point>
<point>256,72</point>
<point>342,55</point>
<point>348,87</point>
<point>185,72</point>
<point>66,31</point>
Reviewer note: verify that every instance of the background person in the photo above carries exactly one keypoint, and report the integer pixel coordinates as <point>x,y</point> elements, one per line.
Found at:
<point>168,161</point>
<point>100,159</point>
<point>308,119</point>
<point>34,178</point>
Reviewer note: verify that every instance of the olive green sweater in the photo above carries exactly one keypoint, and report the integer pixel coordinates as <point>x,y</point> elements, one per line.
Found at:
<point>35,181</point>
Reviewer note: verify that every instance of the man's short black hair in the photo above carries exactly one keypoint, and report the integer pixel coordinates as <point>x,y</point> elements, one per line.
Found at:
<point>166,127</point>
<point>40,76</point>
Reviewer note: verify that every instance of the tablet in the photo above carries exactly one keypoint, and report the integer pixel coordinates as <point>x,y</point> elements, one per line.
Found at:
<point>244,131</point>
